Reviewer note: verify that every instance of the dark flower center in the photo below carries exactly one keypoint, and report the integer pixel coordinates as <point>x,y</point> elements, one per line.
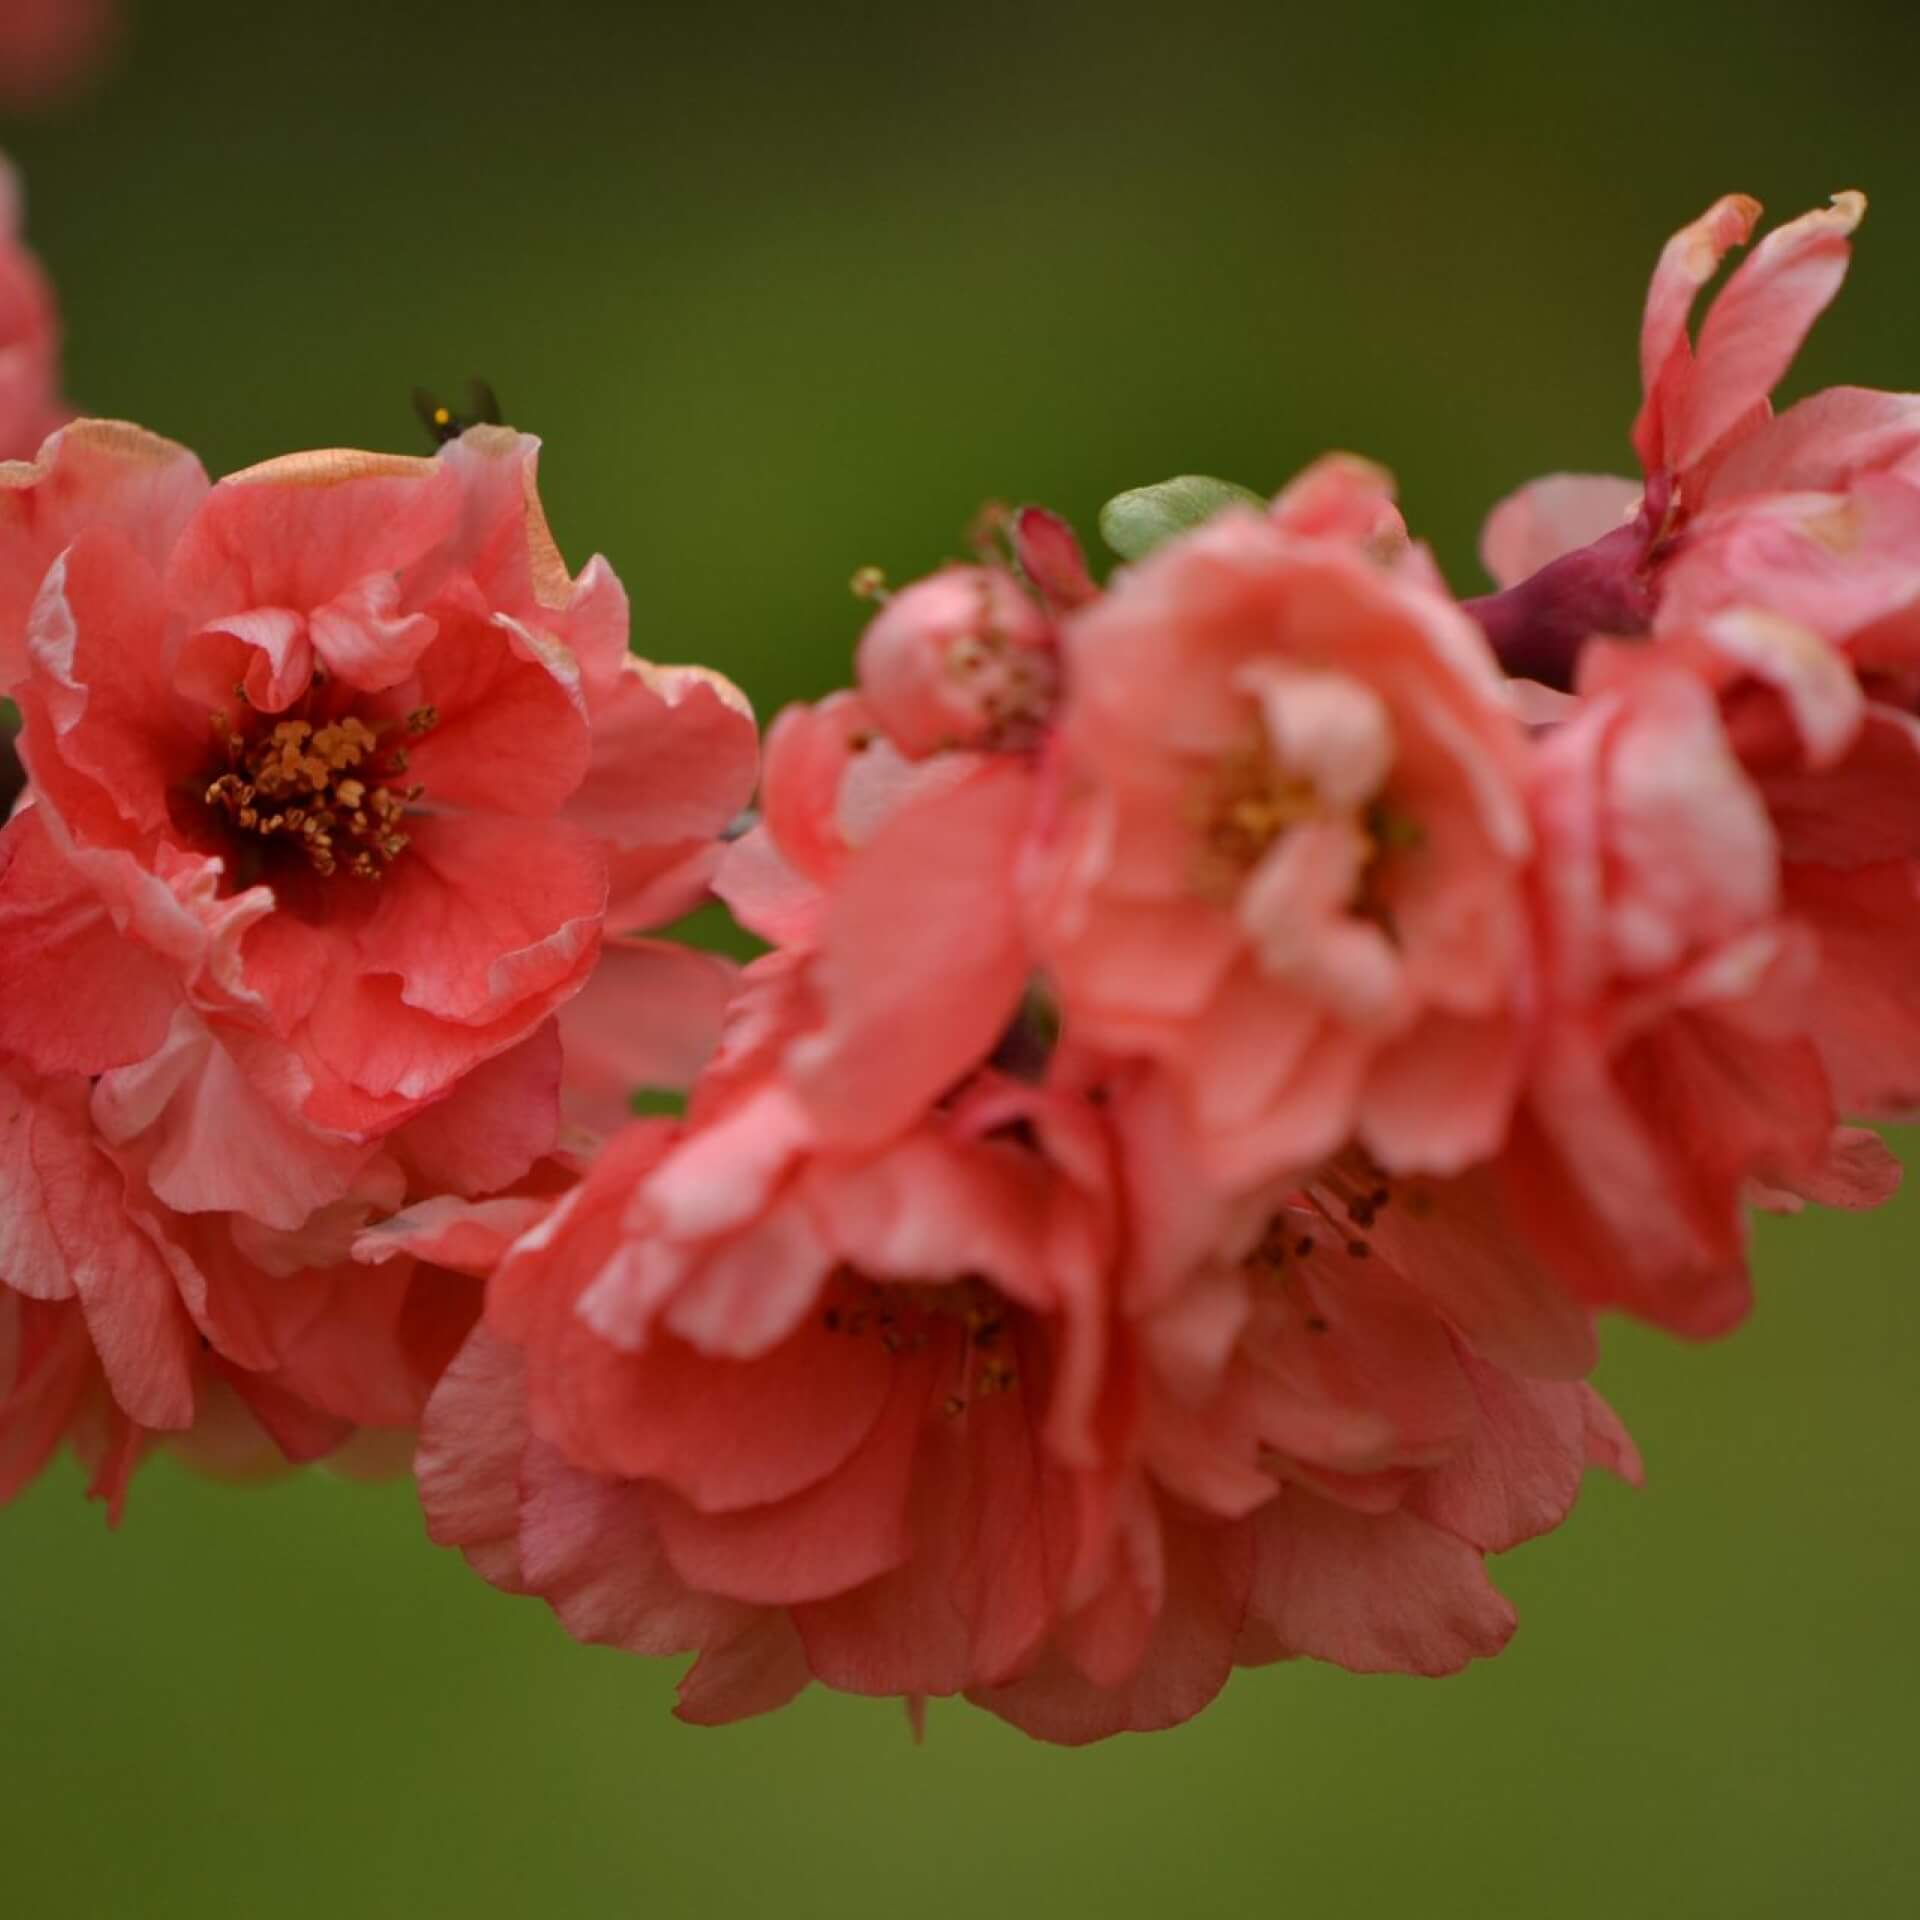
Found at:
<point>908,1316</point>
<point>332,793</point>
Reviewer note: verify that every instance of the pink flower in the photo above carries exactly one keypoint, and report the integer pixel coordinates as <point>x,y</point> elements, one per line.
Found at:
<point>898,1420</point>
<point>647,1020</point>
<point>1839,776</point>
<point>1678,1061</point>
<point>786,1405</point>
<point>829,779</point>
<point>1811,515</point>
<point>1343,497</point>
<point>1321,1462</point>
<point>126,1324</point>
<point>1671,1064</point>
<point>29,327</point>
<point>93,476</point>
<point>899,878</point>
<point>367,771</point>
<point>1287,852</point>
<point>49,48</point>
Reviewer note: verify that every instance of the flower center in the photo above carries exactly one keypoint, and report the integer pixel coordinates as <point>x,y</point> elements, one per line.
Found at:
<point>1012,686</point>
<point>907,1316</point>
<point>1245,806</point>
<point>331,792</point>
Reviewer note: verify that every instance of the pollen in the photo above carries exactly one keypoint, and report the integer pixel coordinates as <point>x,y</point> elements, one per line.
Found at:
<point>327,792</point>
<point>1244,804</point>
<point>1243,807</point>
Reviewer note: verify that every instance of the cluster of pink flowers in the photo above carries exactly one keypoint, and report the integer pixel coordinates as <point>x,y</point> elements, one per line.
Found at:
<point>1223,1034</point>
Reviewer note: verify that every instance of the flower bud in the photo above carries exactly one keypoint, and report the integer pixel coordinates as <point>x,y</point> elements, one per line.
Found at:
<point>962,658</point>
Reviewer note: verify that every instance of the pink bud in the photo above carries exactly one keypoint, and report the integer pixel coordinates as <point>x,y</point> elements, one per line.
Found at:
<point>962,658</point>
<point>1047,549</point>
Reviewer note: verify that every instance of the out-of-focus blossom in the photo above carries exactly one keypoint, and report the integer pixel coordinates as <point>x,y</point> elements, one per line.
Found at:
<point>1284,854</point>
<point>50,48</point>
<point>29,332</point>
<point>1810,515</point>
<point>646,1021</point>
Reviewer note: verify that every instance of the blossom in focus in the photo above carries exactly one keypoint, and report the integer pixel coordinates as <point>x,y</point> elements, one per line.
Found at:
<point>29,334</point>
<point>1284,851</point>
<point>361,774</point>
<point>94,476</point>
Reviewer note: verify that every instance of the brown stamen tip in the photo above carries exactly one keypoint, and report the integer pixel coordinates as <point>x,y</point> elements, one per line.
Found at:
<point>303,786</point>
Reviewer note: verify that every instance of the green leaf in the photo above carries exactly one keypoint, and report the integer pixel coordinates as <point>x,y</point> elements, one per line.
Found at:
<point>646,1102</point>
<point>1134,523</point>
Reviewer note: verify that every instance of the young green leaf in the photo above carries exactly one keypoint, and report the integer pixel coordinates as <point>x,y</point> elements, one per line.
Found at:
<point>1134,523</point>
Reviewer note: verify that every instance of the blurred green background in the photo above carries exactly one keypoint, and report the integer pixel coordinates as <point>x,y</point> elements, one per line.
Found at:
<point>791,289</point>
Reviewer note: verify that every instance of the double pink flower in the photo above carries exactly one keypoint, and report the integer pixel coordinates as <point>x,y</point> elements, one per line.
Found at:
<point>339,781</point>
